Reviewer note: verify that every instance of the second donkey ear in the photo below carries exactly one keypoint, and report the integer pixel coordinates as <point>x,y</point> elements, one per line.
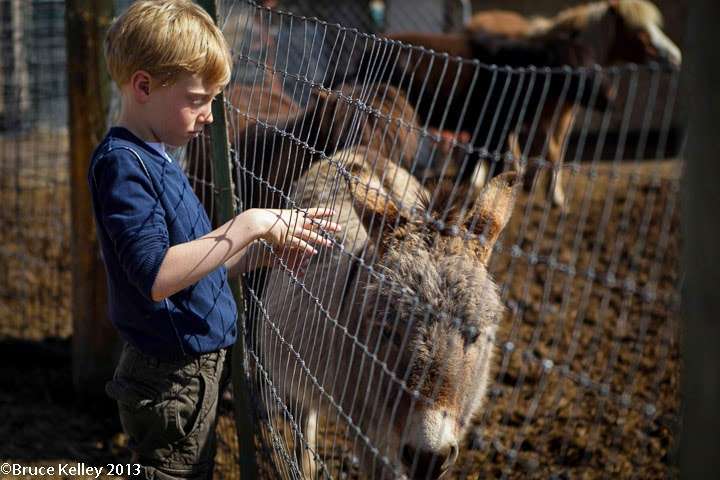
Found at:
<point>491,213</point>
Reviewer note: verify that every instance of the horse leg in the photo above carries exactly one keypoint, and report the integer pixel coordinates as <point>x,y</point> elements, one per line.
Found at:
<point>479,175</point>
<point>532,171</point>
<point>555,156</point>
<point>515,151</point>
<point>554,183</point>
<point>305,450</point>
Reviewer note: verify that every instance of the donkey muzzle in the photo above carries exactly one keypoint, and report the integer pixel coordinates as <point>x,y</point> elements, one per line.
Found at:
<point>428,465</point>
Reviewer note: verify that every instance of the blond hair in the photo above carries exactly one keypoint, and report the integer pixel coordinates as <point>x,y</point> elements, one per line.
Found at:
<point>167,38</point>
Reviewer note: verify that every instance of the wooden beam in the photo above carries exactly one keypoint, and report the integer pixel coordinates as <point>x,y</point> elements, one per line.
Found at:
<point>699,439</point>
<point>95,342</point>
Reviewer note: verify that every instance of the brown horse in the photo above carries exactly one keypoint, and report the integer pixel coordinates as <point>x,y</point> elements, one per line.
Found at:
<point>498,105</point>
<point>470,88</point>
<point>505,23</point>
<point>275,146</point>
<point>614,32</point>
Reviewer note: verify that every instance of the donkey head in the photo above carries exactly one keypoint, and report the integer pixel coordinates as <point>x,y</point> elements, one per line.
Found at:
<point>429,314</point>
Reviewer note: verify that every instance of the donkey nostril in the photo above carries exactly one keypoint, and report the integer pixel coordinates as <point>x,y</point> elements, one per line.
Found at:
<point>427,464</point>
<point>408,455</point>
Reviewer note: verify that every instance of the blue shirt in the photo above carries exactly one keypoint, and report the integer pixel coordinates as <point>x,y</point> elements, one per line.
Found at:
<point>143,204</point>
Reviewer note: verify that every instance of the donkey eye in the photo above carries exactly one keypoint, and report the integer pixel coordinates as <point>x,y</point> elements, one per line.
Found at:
<point>471,335</point>
<point>391,333</point>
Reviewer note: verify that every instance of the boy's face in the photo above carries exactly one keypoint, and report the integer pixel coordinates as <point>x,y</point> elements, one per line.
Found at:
<point>180,111</point>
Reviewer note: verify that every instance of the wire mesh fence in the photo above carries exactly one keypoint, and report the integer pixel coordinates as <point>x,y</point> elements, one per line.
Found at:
<point>34,188</point>
<point>407,348</point>
<point>377,16</point>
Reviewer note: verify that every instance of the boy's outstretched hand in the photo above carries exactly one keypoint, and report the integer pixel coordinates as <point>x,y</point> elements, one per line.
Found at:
<point>294,234</point>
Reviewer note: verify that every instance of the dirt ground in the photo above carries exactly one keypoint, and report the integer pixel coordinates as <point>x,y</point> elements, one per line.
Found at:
<point>588,356</point>
<point>591,387</point>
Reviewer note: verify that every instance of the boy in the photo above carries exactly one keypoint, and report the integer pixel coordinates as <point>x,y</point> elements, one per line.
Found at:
<point>167,271</point>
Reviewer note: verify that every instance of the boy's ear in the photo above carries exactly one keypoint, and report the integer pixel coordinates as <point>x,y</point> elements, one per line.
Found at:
<point>141,85</point>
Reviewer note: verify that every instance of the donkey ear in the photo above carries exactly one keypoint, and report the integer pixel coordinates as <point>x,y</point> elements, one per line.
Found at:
<point>379,214</point>
<point>491,212</point>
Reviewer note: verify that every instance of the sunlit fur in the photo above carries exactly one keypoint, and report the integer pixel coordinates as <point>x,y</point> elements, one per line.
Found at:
<point>636,13</point>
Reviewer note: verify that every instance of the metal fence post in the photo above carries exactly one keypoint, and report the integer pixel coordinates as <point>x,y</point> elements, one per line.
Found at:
<point>95,342</point>
<point>225,210</point>
<point>700,440</point>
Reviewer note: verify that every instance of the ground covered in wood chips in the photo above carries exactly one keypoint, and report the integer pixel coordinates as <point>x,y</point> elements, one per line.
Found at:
<point>587,365</point>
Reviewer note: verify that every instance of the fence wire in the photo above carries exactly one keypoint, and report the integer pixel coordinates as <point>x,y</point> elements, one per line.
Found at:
<point>34,187</point>
<point>406,349</point>
<point>378,16</point>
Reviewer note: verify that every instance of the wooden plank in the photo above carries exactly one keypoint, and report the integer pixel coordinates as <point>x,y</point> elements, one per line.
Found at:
<point>224,211</point>
<point>699,439</point>
<point>95,342</point>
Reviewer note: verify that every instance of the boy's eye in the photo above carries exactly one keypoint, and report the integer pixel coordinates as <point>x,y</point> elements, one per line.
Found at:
<point>199,101</point>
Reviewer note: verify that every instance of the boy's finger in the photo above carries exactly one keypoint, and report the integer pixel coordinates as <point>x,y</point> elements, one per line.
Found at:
<point>324,224</point>
<point>313,237</point>
<point>319,212</point>
<point>300,244</point>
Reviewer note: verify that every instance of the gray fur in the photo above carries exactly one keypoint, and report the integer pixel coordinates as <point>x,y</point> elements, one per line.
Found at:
<point>423,320</point>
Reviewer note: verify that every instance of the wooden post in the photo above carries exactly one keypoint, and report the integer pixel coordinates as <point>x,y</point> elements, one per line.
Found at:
<point>224,211</point>
<point>95,342</point>
<point>700,440</point>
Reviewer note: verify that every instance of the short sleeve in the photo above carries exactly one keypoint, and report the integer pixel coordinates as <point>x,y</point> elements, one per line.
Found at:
<point>132,215</point>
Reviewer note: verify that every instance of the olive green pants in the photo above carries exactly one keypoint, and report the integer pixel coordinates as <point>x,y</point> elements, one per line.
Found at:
<point>169,411</point>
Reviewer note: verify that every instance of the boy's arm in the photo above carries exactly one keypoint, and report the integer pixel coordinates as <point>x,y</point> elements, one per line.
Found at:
<point>187,263</point>
<point>293,233</point>
<point>134,220</point>
<point>246,260</point>
<point>237,264</point>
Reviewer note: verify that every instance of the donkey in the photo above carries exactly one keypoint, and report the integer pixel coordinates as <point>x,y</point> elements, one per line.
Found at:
<point>391,333</point>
